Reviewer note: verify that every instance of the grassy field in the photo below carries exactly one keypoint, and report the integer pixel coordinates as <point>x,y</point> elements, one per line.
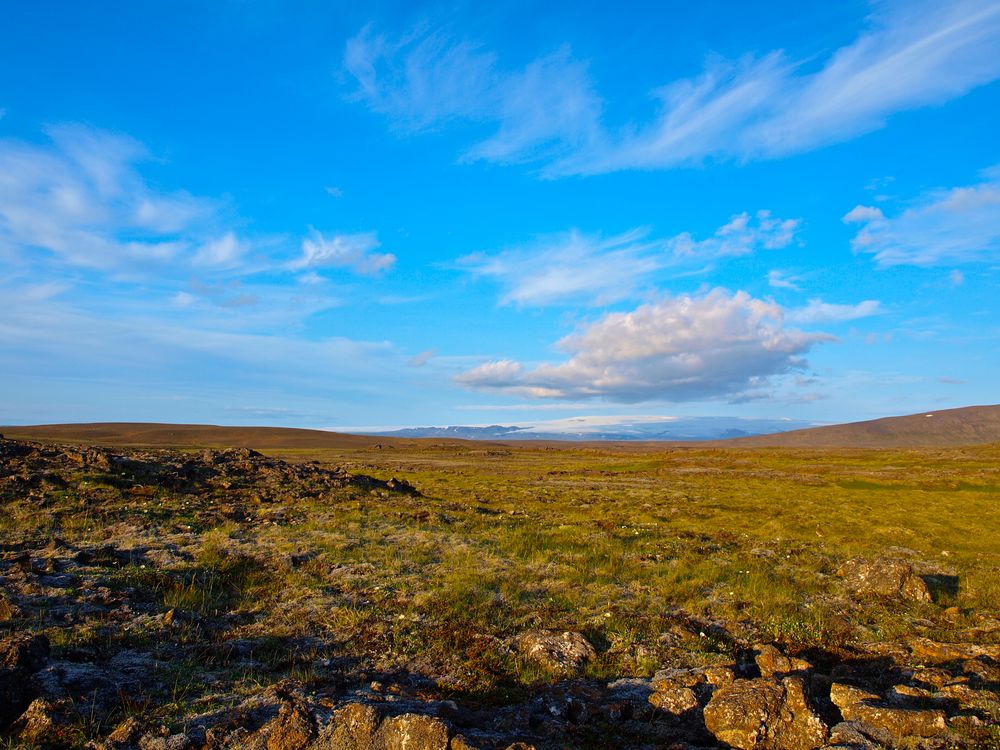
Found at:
<point>659,556</point>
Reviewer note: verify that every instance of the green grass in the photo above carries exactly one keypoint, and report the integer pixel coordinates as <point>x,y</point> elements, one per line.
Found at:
<point>628,545</point>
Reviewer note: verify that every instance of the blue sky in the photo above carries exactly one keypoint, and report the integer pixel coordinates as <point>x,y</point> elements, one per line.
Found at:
<point>320,214</point>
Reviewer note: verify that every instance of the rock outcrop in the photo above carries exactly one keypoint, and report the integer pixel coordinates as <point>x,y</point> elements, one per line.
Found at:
<point>884,577</point>
<point>765,714</point>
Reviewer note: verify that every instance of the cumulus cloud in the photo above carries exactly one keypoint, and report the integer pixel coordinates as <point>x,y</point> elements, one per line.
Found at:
<point>818,311</point>
<point>690,347</point>
<point>574,265</point>
<point>909,55</point>
<point>959,225</point>
<point>351,251</point>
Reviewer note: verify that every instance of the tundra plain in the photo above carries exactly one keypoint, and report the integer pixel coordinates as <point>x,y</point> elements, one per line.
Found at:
<point>554,595</point>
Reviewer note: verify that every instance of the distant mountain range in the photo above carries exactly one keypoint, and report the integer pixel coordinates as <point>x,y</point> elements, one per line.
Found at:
<point>609,429</point>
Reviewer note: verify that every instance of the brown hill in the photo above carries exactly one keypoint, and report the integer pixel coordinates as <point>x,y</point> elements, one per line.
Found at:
<point>970,425</point>
<point>181,435</point>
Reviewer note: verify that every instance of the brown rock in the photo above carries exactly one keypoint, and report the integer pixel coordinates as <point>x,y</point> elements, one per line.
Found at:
<point>774,663</point>
<point>42,723</point>
<point>293,728</point>
<point>844,696</point>
<point>674,700</point>
<point>20,656</point>
<point>860,705</point>
<point>931,651</point>
<point>354,727</point>
<point>8,610</point>
<point>885,577</point>
<point>412,732</point>
<point>24,652</point>
<point>765,714</point>
<point>563,653</point>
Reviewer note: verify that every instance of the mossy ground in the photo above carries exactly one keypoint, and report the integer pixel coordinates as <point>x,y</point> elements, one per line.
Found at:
<point>660,556</point>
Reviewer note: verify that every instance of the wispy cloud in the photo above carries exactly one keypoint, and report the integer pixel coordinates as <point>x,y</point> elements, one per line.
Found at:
<point>352,251</point>
<point>960,225</point>
<point>81,200</point>
<point>818,311</point>
<point>428,78</point>
<point>910,55</point>
<point>683,348</point>
<point>783,280</point>
<point>592,268</point>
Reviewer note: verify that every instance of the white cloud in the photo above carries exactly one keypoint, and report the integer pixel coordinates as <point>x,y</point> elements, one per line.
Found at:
<point>682,348</point>
<point>818,311</point>
<point>428,78</point>
<point>956,277</point>
<point>960,225</point>
<point>351,251</point>
<point>910,55</point>
<point>226,250</point>
<point>862,214</point>
<point>782,280</point>
<point>573,265</point>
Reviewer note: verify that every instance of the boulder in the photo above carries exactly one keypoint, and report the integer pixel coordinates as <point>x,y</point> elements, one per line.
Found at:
<point>412,732</point>
<point>293,728</point>
<point>884,577</point>
<point>352,727</point>
<point>564,653</point>
<point>674,700</point>
<point>21,656</point>
<point>772,662</point>
<point>765,714</point>
<point>898,721</point>
<point>930,651</point>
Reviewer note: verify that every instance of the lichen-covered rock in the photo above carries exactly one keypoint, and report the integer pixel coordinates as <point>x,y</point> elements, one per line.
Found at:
<point>898,721</point>
<point>765,714</point>
<point>772,662</point>
<point>42,723</point>
<point>676,701</point>
<point>884,577</point>
<point>412,732</point>
<point>933,652</point>
<point>293,728</point>
<point>352,727</point>
<point>563,653</point>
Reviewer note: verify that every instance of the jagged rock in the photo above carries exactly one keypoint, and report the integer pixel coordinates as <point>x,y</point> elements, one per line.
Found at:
<point>20,657</point>
<point>850,735</point>
<point>884,577</point>
<point>559,652</point>
<point>8,610</point>
<point>412,732</point>
<point>765,714</point>
<point>42,723</point>
<point>352,727</point>
<point>674,700</point>
<point>293,728</point>
<point>900,722</point>
<point>25,653</point>
<point>772,662</point>
<point>931,651</point>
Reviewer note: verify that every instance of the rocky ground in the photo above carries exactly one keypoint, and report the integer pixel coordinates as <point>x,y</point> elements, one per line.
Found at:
<point>223,599</point>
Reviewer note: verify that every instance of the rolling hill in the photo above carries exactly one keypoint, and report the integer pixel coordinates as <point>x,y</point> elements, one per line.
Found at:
<point>970,425</point>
